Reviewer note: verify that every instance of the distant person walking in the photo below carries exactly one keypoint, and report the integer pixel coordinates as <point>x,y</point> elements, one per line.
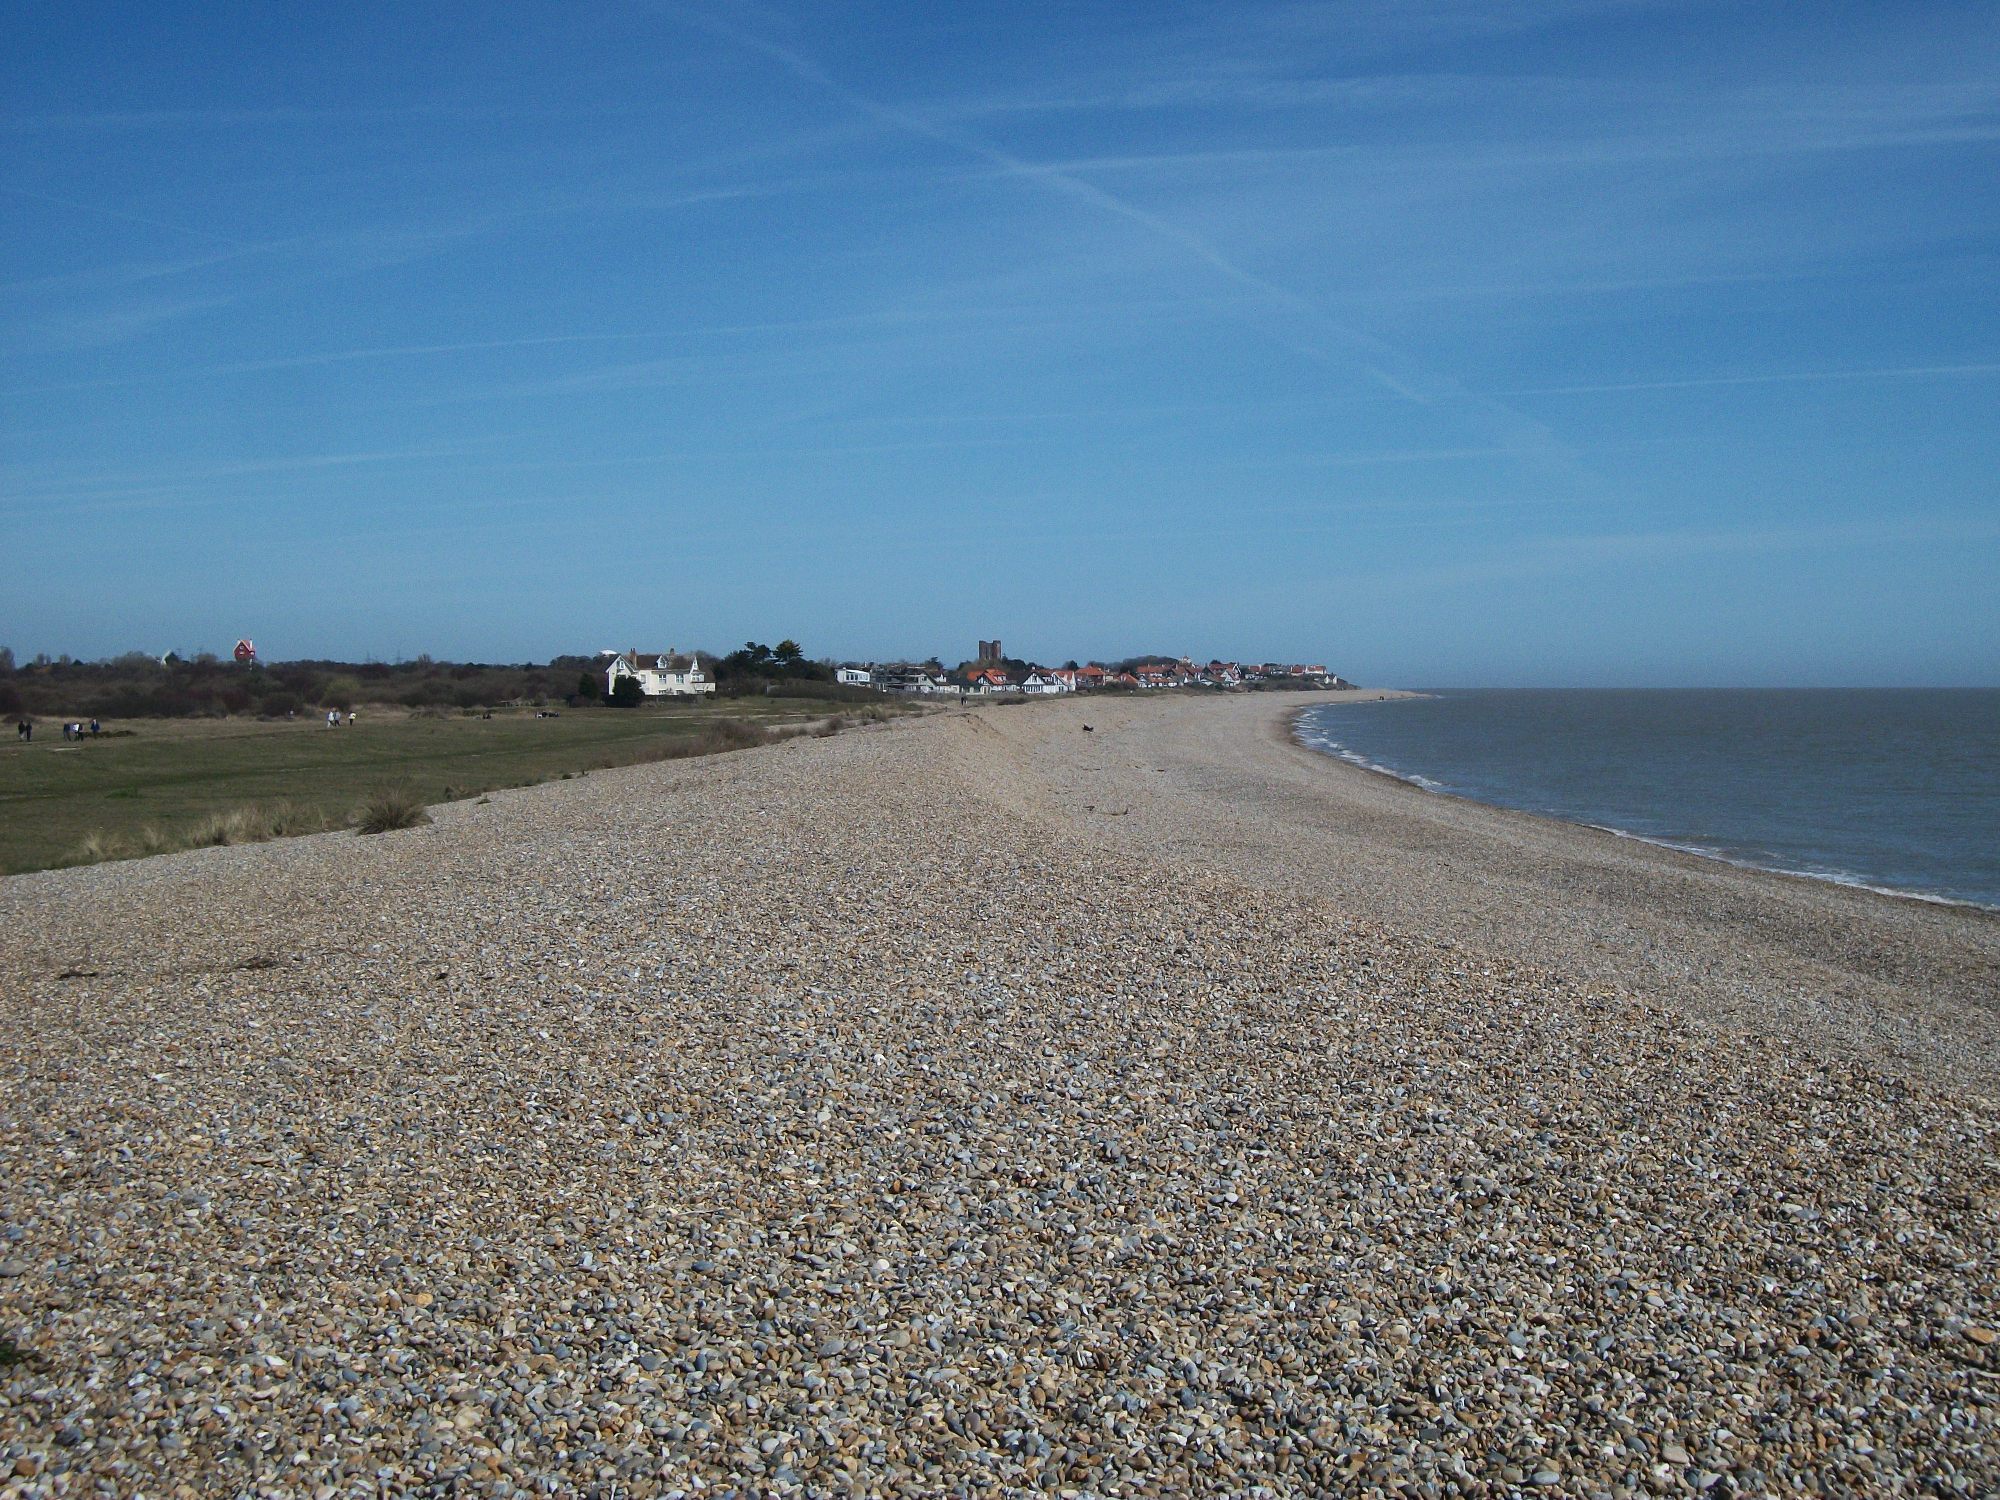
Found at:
<point>333,718</point>
<point>24,730</point>
<point>94,730</point>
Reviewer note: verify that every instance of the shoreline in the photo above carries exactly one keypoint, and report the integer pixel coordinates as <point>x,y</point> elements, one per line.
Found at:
<point>1910,984</point>
<point>1291,730</point>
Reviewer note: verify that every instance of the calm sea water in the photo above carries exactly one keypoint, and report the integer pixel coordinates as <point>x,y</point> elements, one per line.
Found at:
<point>1893,788</point>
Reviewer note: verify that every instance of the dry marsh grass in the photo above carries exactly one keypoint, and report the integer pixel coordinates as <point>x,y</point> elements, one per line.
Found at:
<point>720,738</point>
<point>254,824</point>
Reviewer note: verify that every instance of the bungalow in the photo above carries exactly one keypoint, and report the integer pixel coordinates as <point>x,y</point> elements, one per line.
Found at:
<point>853,676</point>
<point>1041,682</point>
<point>660,674</point>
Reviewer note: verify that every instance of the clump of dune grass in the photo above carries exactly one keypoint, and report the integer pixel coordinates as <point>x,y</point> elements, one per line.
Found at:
<point>390,808</point>
<point>95,848</point>
<point>831,727</point>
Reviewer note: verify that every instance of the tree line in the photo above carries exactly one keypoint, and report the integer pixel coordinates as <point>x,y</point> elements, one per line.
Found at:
<point>138,685</point>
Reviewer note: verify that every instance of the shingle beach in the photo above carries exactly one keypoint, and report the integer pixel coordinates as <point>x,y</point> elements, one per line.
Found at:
<point>975,1106</point>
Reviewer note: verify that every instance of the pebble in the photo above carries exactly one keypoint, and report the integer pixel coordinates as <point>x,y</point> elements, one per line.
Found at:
<point>847,1117</point>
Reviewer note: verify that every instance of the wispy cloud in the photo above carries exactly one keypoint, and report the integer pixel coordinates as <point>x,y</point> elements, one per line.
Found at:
<point>1338,343</point>
<point>1589,554</point>
<point>1761,124</point>
<point>692,333</point>
<point>1236,89</point>
<point>1401,23</point>
<point>1775,377</point>
<point>26,492</point>
<point>106,212</point>
<point>125,273</point>
<point>1383,456</point>
<point>134,121</point>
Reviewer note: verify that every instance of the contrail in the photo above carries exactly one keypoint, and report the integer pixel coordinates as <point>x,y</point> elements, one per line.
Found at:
<point>1523,432</point>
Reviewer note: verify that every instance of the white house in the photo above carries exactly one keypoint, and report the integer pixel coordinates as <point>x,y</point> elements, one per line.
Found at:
<point>660,674</point>
<point>1039,681</point>
<point>908,677</point>
<point>852,676</point>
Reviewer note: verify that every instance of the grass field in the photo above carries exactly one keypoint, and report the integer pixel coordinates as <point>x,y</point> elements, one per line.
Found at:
<point>159,786</point>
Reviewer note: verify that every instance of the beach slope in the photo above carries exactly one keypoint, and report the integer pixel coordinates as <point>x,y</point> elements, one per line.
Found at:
<point>982,1106</point>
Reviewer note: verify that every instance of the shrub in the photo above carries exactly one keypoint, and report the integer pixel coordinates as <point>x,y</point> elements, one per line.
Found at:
<point>427,694</point>
<point>391,808</point>
<point>341,692</point>
<point>838,692</point>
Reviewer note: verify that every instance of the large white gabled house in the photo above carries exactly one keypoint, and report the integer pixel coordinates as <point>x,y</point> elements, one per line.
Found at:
<point>660,674</point>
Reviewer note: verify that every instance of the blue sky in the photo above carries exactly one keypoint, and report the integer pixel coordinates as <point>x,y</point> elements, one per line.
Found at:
<point>1459,341</point>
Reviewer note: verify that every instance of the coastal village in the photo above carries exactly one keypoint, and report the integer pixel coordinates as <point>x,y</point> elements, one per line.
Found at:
<point>991,673</point>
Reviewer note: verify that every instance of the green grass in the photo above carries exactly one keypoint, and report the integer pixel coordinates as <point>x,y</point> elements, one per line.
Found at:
<point>177,783</point>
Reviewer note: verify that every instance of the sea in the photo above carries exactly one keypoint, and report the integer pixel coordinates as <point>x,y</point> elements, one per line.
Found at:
<point>1895,789</point>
